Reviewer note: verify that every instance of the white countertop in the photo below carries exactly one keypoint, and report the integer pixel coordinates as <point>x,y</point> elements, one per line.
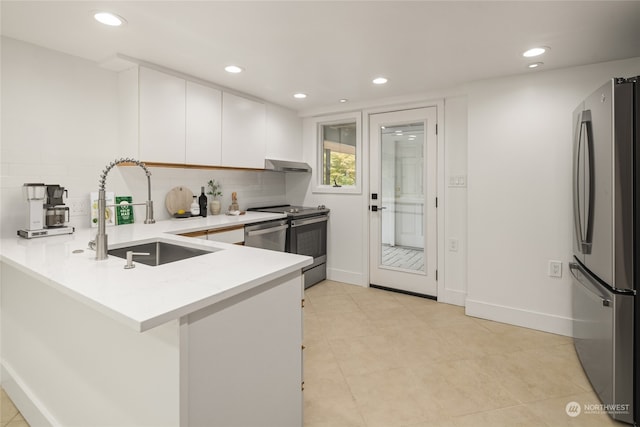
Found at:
<point>145,297</point>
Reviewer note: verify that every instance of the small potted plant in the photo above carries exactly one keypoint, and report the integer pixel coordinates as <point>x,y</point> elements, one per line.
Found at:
<point>214,192</point>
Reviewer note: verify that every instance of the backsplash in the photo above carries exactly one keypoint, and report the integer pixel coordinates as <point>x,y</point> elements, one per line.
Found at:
<point>254,188</point>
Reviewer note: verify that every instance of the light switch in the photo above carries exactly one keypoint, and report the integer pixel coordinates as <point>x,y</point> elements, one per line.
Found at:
<point>457,181</point>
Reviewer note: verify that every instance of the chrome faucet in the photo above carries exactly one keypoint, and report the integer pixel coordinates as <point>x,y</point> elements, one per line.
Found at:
<point>100,242</point>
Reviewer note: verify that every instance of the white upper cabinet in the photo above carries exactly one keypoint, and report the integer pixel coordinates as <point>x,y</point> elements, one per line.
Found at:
<point>162,117</point>
<point>165,118</point>
<point>284,134</point>
<point>243,132</point>
<point>203,125</point>
<point>168,119</point>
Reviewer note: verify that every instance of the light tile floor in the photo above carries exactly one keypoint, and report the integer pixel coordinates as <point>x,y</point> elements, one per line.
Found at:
<point>375,358</point>
<point>9,415</point>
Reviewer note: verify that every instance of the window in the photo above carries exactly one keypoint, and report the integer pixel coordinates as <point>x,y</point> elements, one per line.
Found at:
<point>339,163</point>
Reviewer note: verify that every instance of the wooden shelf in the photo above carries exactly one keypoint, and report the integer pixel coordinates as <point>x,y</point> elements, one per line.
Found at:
<point>189,166</point>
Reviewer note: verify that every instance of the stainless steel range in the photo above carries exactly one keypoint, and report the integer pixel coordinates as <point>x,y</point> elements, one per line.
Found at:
<point>306,235</point>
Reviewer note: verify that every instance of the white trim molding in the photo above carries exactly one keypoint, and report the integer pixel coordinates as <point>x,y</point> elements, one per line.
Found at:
<point>344,276</point>
<point>516,316</point>
<point>31,408</point>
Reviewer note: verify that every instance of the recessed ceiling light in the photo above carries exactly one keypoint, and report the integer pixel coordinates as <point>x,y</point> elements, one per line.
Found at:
<point>300,95</point>
<point>343,100</point>
<point>108,18</point>
<point>379,80</point>
<point>536,51</point>
<point>535,65</point>
<point>234,69</point>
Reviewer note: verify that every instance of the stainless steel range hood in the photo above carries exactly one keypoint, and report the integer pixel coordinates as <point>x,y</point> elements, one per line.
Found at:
<point>286,166</point>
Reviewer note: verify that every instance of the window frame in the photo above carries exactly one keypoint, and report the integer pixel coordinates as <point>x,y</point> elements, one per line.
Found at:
<point>318,122</point>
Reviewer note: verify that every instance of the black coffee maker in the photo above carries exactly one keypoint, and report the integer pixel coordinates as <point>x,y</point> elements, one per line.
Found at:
<point>56,213</point>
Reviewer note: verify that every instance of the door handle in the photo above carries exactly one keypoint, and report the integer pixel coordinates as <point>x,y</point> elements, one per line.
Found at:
<point>589,285</point>
<point>584,225</point>
<point>307,221</point>
<point>375,208</point>
<point>266,230</point>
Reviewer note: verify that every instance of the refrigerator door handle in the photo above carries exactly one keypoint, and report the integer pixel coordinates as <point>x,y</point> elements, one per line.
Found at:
<point>583,161</point>
<point>594,288</point>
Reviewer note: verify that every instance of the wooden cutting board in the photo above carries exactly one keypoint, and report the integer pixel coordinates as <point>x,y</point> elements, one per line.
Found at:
<point>178,198</point>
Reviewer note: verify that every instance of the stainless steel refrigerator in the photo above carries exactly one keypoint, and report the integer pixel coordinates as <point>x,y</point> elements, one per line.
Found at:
<point>606,202</point>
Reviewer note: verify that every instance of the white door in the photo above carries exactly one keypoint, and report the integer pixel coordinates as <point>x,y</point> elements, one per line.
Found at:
<point>403,228</point>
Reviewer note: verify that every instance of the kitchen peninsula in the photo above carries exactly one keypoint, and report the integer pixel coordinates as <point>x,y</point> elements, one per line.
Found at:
<point>210,340</point>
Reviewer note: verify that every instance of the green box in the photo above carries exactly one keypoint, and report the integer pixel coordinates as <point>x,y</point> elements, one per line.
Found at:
<point>124,210</point>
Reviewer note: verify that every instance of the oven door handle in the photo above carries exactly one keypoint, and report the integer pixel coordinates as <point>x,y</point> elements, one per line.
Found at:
<point>267,230</point>
<point>307,221</point>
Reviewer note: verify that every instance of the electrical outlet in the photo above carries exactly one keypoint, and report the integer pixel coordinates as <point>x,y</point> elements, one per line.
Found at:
<point>555,268</point>
<point>78,206</point>
<point>453,245</point>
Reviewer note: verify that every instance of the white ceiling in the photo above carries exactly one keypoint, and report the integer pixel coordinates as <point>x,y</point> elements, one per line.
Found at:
<point>330,49</point>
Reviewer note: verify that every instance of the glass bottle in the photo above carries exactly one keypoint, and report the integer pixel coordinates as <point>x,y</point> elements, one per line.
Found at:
<point>195,207</point>
<point>202,202</point>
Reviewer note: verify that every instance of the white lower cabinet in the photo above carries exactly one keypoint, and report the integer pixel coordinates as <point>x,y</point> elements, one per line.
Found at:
<point>235,363</point>
<point>233,235</point>
<point>196,234</point>
<point>243,359</point>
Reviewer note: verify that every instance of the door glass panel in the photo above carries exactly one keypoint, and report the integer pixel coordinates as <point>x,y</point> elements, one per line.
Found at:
<point>402,197</point>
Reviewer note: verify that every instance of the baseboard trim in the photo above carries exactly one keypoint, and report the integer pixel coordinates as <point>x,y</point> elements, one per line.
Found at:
<point>344,276</point>
<point>23,398</point>
<point>450,296</point>
<point>514,316</point>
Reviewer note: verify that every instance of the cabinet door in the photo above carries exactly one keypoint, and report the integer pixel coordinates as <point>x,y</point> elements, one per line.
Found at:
<point>203,125</point>
<point>243,132</point>
<point>162,118</point>
<point>233,235</point>
<point>196,234</point>
<point>283,134</point>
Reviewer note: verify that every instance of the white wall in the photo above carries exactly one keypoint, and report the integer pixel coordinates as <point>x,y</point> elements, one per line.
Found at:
<point>519,185</point>
<point>511,138</point>
<point>60,126</point>
<point>345,257</point>
<point>348,225</point>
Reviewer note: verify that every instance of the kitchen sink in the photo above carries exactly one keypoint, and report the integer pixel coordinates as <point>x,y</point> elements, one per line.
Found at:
<point>160,252</point>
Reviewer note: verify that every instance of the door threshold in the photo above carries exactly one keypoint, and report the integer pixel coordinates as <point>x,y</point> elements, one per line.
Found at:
<point>401,291</point>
